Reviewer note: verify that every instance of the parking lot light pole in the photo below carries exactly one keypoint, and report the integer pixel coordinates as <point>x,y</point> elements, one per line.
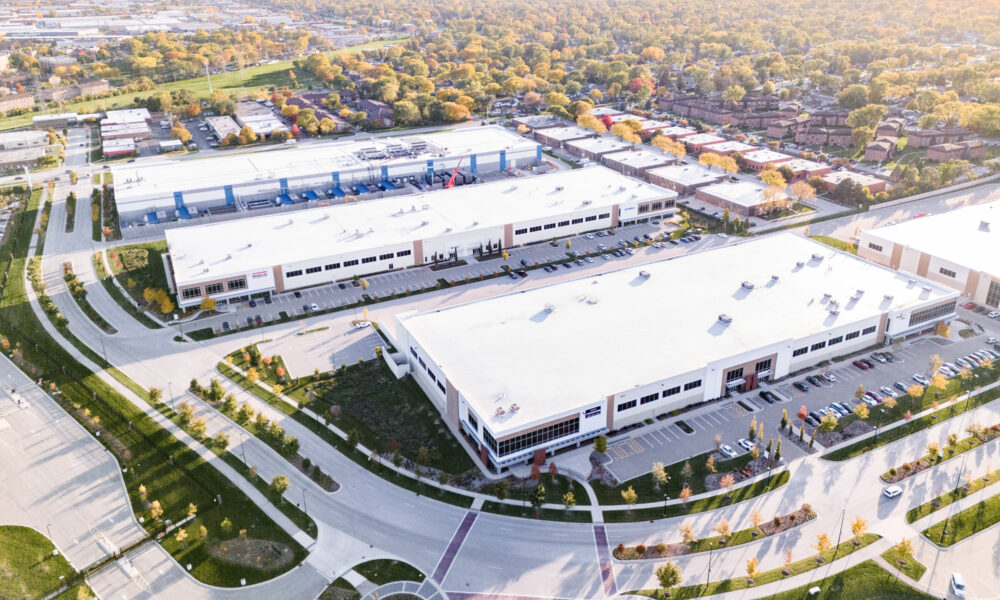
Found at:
<point>708,578</point>
<point>665,498</point>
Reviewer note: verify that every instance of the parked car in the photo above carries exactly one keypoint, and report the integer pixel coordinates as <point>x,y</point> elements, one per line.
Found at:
<point>225,326</point>
<point>249,321</point>
<point>801,386</point>
<point>727,451</point>
<point>899,385</point>
<point>888,391</point>
<point>524,263</point>
<point>879,358</point>
<point>859,364</point>
<point>892,491</point>
<point>870,364</point>
<point>267,300</point>
<point>969,305</point>
<point>921,379</point>
<point>992,340</point>
<point>768,397</point>
<point>522,273</point>
<point>258,319</point>
<point>253,304</point>
<point>314,306</point>
<point>957,585</point>
<point>830,377</point>
<point>873,396</point>
<point>814,380</point>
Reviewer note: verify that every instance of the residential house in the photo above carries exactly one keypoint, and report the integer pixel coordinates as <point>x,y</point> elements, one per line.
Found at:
<point>762,159</point>
<point>16,101</point>
<point>785,127</point>
<point>379,113</point>
<point>751,120</point>
<point>891,127</point>
<point>805,169</point>
<point>967,150</point>
<point>834,117</point>
<point>872,184</point>
<point>882,149</point>
<point>925,138</point>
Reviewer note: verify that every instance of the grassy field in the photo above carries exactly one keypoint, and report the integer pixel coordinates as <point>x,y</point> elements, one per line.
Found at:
<point>911,567</point>
<point>866,580</point>
<point>387,413</point>
<point>119,297</point>
<point>644,484</point>
<point>381,572</point>
<point>139,266</point>
<point>835,243</point>
<point>27,568</point>
<point>966,523</point>
<point>247,81</point>
<point>739,583</point>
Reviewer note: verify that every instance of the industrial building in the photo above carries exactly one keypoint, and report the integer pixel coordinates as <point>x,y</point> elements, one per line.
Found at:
<point>635,163</point>
<point>153,192</point>
<point>275,253</point>
<point>14,140</point>
<point>740,198</point>
<point>525,374</point>
<point>684,178</point>
<point>957,249</point>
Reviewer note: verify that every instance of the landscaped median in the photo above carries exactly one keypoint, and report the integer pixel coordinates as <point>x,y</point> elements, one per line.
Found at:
<point>971,486</point>
<point>790,569</point>
<point>865,581</point>
<point>759,530</point>
<point>936,455</point>
<point>79,294</point>
<point>118,296</point>
<point>904,561</point>
<point>900,430</point>
<point>966,523</point>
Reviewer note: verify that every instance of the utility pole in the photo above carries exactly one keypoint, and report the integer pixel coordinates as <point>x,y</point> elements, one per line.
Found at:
<point>840,532</point>
<point>209,77</point>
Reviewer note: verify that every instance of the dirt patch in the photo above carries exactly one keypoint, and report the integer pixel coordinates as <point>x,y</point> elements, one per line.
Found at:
<point>768,528</point>
<point>248,552</point>
<point>751,469</point>
<point>853,430</point>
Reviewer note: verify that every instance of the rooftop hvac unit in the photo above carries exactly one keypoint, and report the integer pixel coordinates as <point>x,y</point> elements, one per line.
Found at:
<point>827,296</point>
<point>559,188</point>
<point>887,297</point>
<point>447,229</point>
<point>587,202</point>
<point>500,411</point>
<point>475,223</point>
<point>775,278</point>
<point>229,257</point>
<point>724,318</point>
<point>859,293</point>
<point>834,312</point>
<point>817,257</point>
<point>514,408</point>
<point>927,289</point>
<point>426,206</point>
<point>984,226</point>
<point>747,285</point>
<point>550,308</point>
<point>424,223</point>
<point>800,264</point>
<point>645,274</point>
<point>621,188</point>
<point>910,281</point>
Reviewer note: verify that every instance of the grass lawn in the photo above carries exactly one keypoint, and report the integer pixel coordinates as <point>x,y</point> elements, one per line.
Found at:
<point>965,523</point>
<point>866,580</point>
<point>387,413</point>
<point>544,514</point>
<point>643,485</point>
<point>247,81</point>
<point>117,295</point>
<point>911,567</point>
<point>27,568</point>
<point>796,208</point>
<point>710,503</point>
<point>961,447</point>
<point>765,577</point>
<point>835,243</point>
<point>140,265</point>
<point>383,571</point>
<point>891,435</point>
<point>956,494</point>
<point>553,491</point>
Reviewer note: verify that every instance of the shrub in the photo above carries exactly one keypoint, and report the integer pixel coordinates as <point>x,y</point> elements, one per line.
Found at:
<point>641,549</point>
<point>661,548</point>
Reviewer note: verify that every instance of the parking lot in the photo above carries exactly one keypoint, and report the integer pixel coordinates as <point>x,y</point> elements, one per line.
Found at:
<point>634,452</point>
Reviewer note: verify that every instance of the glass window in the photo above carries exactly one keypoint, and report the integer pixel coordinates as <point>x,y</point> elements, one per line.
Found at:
<point>237,284</point>
<point>550,225</point>
<point>473,423</point>
<point>294,273</point>
<point>403,253</point>
<point>672,391</point>
<point>332,266</point>
<point>312,270</point>
<point>563,223</point>
<point>385,256</point>
<point>800,351</point>
<point>734,374</point>
<point>692,385</point>
<point>947,272</point>
<point>520,231</point>
<point>213,288</point>
<point>649,398</point>
<point>643,208</point>
<point>932,313</point>
<point>536,228</point>
<point>627,405</point>
<point>578,220</point>
<point>604,216</point>
<point>875,247</point>
<point>350,263</point>
<point>993,294</point>
<point>868,330</point>
<point>533,438</point>
<point>762,365</point>
<point>191,292</point>
<point>591,218</point>
<point>368,259</point>
<point>835,340</point>
<point>852,335</point>
<point>818,346</point>
<point>441,387</point>
<point>592,412</point>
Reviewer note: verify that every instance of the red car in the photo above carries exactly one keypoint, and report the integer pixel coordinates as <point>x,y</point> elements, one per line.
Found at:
<point>860,365</point>
<point>969,305</point>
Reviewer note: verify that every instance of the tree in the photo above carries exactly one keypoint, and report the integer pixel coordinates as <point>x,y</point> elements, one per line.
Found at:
<point>501,490</point>
<point>822,544</point>
<point>226,526</point>
<point>727,482</point>
<point>207,304</point>
<point>247,133</point>
<point>221,440</point>
<point>853,96</point>
<point>784,418</point>
<point>723,529</point>
<point>687,533</point>
<point>630,497</point>
<point>155,510</point>
<point>669,576</point>
<point>915,391</point>
<point>198,427</point>
<point>279,485</point>
<point>685,495</point>
<point>802,191</point>
<point>904,551</point>
<point>660,477</point>
<point>756,519</point>
<point>858,527</point>
<point>861,411</point>
<point>591,122</point>
<point>155,394</point>
<point>181,133</point>
<point>569,500</point>
<point>625,132</point>
<point>710,463</point>
<point>192,509</point>
<point>752,435</point>
<point>828,423</point>
<point>181,536</point>
<point>734,93</point>
<point>185,411</point>
<point>773,177</point>
<point>866,116</point>
<point>687,472</point>
<point>859,394</point>
<point>600,442</point>
<point>753,570</point>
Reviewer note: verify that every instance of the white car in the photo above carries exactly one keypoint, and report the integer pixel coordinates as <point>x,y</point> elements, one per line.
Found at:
<point>362,324</point>
<point>888,391</point>
<point>723,236</point>
<point>992,340</point>
<point>727,451</point>
<point>994,314</point>
<point>830,377</point>
<point>957,584</point>
<point>892,491</point>
<point>746,444</point>
<point>590,236</point>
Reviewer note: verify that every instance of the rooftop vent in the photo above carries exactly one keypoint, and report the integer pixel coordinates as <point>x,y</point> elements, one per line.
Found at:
<point>514,408</point>
<point>911,281</point>
<point>775,278</point>
<point>424,223</point>
<point>927,289</point>
<point>229,257</point>
<point>290,221</point>
<point>859,293</point>
<point>474,223</point>
<point>724,318</point>
<point>621,188</point>
<point>800,264</point>
<point>834,312</point>
<point>747,285</point>
<point>550,308</point>
<point>500,411</point>
<point>426,206</point>
<point>887,297</point>
<point>559,188</point>
<point>645,274</point>
<point>827,296</point>
<point>586,202</point>
<point>817,257</point>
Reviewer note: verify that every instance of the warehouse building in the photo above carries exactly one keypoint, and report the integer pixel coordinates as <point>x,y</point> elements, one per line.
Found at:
<point>275,253</point>
<point>759,160</point>
<point>557,137</point>
<point>222,125</point>
<point>20,158</point>
<point>684,178</point>
<point>742,198</point>
<point>635,163</point>
<point>320,172</point>
<point>957,249</point>
<point>594,148</point>
<point>15,140</point>
<point>523,375</point>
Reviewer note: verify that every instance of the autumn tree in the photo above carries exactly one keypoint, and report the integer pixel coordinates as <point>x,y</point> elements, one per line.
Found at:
<point>668,575</point>
<point>858,528</point>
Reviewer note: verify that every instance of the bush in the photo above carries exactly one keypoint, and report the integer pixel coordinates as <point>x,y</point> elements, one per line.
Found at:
<point>641,549</point>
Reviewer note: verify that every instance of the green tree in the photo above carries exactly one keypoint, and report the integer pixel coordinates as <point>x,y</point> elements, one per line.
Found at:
<point>669,576</point>
<point>601,444</point>
<point>279,485</point>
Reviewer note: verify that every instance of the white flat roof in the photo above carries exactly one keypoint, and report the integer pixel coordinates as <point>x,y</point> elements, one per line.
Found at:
<point>640,158</point>
<point>802,164</point>
<point>570,132</point>
<point>732,146</point>
<point>860,178</point>
<point>676,131</point>
<point>605,110</point>
<point>766,156</point>
<point>703,138</point>
<point>685,174</point>
<point>137,186</point>
<point>600,144</point>
<point>610,333</point>
<point>200,252</point>
<point>957,236</point>
<point>743,193</point>
<point>13,137</point>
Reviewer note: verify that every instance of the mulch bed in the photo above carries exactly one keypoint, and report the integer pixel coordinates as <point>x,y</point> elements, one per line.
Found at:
<point>830,438</point>
<point>248,552</point>
<point>767,528</point>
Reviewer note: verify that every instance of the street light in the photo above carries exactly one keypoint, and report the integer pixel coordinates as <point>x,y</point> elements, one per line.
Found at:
<point>665,498</point>
<point>708,578</point>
